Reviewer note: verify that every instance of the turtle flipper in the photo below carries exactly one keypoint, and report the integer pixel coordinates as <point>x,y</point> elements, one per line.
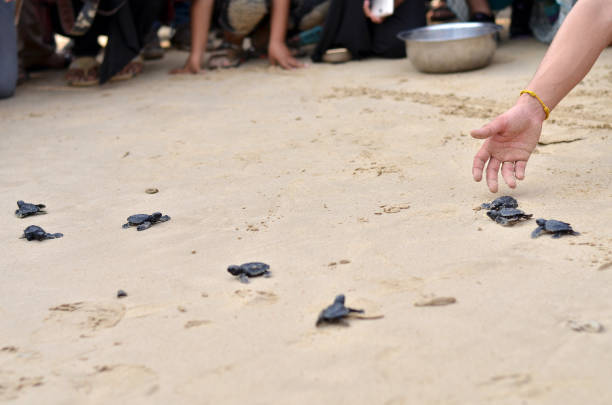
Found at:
<point>243,278</point>
<point>267,274</point>
<point>557,235</point>
<point>55,235</point>
<point>537,232</point>
<point>501,220</point>
<point>143,226</point>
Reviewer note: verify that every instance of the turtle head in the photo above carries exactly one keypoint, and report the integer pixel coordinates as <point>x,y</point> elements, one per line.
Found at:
<point>235,270</point>
<point>156,216</point>
<point>493,214</point>
<point>20,203</point>
<point>540,221</point>
<point>339,299</point>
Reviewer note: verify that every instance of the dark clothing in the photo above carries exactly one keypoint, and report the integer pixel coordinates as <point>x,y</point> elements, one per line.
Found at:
<point>347,26</point>
<point>126,28</point>
<point>8,50</point>
<point>36,40</point>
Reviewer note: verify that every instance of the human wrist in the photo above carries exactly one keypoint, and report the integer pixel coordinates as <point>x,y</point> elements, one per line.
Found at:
<point>532,106</point>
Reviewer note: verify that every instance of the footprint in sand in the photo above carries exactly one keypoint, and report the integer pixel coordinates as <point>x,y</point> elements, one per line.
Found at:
<point>117,382</point>
<point>256,296</point>
<point>195,323</point>
<point>12,386</point>
<point>392,209</point>
<point>80,319</point>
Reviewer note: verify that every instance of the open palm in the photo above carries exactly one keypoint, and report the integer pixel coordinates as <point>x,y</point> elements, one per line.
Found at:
<point>510,140</point>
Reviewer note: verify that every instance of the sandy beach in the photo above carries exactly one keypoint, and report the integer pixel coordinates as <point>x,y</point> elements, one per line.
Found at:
<point>352,179</point>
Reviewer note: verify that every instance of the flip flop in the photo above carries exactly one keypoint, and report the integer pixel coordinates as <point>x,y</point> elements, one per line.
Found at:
<point>83,72</point>
<point>225,57</point>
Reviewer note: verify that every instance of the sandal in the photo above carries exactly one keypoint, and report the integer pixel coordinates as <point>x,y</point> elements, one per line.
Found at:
<point>83,71</point>
<point>225,57</point>
<point>130,70</point>
<point>441,14</point>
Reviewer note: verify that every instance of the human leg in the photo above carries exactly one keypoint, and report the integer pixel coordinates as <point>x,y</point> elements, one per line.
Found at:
<point>127,29</point>
<point>8,50</point>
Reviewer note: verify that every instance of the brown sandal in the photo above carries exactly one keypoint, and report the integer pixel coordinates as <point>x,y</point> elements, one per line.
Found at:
<point>130,70</point>
<point>83,71</point>
<point>225,57</point>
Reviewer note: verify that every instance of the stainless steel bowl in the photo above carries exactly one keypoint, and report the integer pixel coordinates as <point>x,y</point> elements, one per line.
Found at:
<point>453,47</point>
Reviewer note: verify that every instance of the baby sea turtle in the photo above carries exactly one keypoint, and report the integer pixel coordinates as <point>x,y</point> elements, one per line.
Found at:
<point>144,221</point>
<point>557,228</point>
<point>336,311</point>
<point>34,232</point>
<point>508,216</point>
<point>252,269</point>
<point>501,202</point>
<point>27,209</point>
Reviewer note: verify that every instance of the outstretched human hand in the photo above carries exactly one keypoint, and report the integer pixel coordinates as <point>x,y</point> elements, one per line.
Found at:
<point>510,139</point>
<point>279,54</point>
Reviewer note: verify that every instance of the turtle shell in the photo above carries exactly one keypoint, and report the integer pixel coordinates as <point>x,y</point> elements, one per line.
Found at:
<point>138,219</point>
<point>511,212</point>
<point>501,202</point>
<point>27,209</point>
<point>254,269</point>
<point>336,310</point>
<point>553,225</point>
<point>34,232</point>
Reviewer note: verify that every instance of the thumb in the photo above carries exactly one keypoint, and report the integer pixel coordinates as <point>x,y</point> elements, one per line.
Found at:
<point>494,127</point>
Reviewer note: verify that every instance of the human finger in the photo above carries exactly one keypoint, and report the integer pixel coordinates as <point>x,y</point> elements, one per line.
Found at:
<point>507,171</point>
<point>519,169</point>
<point>492,170</point>
<point>366,8</point>
<point>490,129</point>
<point>479,163</point>
<point>284,63</point>
<point>295,63</point>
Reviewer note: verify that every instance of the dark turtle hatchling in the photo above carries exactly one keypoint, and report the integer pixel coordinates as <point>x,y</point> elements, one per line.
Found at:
<point>556,228</point>
<point>34,232</point>
<point>336,311</point>
<point>501,202</point>
<point>252,269</point>
<point>27,209</point>
<point>508,216</point>
<point>145,221</point>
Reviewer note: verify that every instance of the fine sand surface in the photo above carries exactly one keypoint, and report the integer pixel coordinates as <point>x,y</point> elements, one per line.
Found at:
<point>367,162</point>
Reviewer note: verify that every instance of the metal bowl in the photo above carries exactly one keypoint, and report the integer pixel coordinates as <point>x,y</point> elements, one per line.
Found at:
<point>454,47</point>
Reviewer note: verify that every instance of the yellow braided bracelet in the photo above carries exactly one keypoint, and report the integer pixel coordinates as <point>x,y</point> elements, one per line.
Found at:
<point>532,94</point>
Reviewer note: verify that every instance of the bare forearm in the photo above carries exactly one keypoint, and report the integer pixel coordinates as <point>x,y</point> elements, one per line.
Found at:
<point>586,32</point>
<point>278,22</point>
<point>201,14</point>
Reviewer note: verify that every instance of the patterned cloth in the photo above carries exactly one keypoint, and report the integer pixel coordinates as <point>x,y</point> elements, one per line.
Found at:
<point>543,26</point>
<point>243,16</point>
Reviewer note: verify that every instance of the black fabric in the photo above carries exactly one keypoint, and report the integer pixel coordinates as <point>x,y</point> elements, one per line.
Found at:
<point>346,26</point>
<point>126,30</point>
